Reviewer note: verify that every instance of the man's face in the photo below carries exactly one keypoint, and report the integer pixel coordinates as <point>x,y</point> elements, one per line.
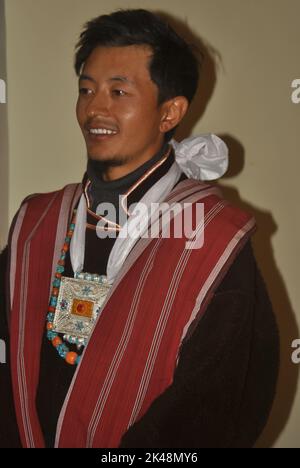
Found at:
<point>117,107</point>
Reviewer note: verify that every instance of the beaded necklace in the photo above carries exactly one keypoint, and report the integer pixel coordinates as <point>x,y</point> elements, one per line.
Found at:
<point>62,349</point>
<point>81,308</point>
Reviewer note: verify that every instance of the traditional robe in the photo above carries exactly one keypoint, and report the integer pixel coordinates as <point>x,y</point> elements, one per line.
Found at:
<point>206,370</point>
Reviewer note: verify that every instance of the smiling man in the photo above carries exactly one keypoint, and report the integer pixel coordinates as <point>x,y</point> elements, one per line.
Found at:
<point>111,107</point>
<point>135,342</point>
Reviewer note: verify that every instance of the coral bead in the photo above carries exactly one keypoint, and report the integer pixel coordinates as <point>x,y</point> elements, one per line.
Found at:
<point>71,357</point>
<point>56,341</point>
<point>49,326</point>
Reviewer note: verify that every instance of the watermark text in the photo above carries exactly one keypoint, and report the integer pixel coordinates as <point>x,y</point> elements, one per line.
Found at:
<point>2,92</point>
<point>296,354</point>
<point>175,220</point>
<point>2,352</point>
<point>295,97</point>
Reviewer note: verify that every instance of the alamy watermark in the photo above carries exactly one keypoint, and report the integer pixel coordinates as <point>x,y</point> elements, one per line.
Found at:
<point>296,354</point>
<point>2,92</point>
<point>295,96</point>
<point>2,352</point>
<point>155,220</point>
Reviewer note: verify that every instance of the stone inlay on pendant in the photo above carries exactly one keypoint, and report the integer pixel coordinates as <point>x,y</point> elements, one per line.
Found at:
<point>82,308</point>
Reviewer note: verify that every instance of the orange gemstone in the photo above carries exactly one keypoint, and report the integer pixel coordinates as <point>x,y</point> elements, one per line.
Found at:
<point>56,341</point>
<point>69,233</point>
<point>58,275</point>
<point>61,262</point>
<point>51,309</point>
<point>65,247</point>
<point>71,357</point>
<point>82,308</point>
<point>55,292</point>
<point>49,326</point>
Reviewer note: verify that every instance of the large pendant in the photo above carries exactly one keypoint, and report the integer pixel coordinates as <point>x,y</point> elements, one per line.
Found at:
<point>78,305</point>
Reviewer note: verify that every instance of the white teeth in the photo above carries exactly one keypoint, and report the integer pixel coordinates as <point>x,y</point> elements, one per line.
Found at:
<point>102,131</point>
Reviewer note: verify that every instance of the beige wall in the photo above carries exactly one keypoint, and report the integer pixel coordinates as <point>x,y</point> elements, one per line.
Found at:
<point>250,105</point>
<point>3,135</point>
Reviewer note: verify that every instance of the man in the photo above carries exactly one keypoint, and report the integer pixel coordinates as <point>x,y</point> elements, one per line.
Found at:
<point>123,341</point>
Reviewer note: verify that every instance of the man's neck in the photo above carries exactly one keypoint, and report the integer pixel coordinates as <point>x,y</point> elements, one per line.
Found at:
<point>98,170</point>
<point>109,191</point>
<point>115,172</point>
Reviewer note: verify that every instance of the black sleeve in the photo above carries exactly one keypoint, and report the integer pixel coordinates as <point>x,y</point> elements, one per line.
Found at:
<point>9,436</point>
<point>224,384</point>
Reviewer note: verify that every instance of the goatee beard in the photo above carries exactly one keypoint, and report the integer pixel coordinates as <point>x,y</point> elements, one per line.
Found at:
<point>105,164</point>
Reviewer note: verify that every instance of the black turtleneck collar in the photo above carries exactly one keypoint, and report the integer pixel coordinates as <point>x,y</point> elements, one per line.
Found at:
<point>108,191</point>
<point>95,171</point>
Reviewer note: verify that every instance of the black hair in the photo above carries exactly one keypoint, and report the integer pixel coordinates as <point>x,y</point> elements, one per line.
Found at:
<point>174,67</point>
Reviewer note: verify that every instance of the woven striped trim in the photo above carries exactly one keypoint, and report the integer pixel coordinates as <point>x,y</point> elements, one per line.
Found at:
<point>21,372</point>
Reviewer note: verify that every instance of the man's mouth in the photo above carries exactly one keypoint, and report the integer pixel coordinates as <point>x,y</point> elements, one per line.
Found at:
<point>99,134</point>
<point>102,131</point>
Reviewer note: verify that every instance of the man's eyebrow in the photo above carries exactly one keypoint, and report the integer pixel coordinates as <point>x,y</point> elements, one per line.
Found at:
<point>122,79</point>
<point>86,77</point>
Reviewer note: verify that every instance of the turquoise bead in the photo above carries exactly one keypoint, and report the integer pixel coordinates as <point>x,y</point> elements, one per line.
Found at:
<point>56,283</point>
<point>60,269</point>
<point>50,317</point>
<point>53,301</point>
<point>62,350</point>
<point>51,334</point>
<point>71,340</point>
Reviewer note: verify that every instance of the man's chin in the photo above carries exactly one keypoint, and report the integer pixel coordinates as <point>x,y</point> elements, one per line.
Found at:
<point>107,161</point>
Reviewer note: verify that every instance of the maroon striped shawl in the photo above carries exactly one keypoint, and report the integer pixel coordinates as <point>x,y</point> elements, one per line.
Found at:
<point>156,301</point>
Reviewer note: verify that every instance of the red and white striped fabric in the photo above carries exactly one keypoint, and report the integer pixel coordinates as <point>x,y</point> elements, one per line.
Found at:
<point>156,301</point>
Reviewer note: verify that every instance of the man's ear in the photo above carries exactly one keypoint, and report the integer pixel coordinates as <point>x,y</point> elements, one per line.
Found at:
<point>173,112</point>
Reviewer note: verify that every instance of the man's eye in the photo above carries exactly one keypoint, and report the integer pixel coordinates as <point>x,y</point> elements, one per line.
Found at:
<point>85,91</point>
<point>119,92</point>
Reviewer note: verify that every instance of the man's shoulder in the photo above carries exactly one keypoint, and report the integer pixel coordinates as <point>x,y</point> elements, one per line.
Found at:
<point>213,202</point>
<point>35,198</point>
<point>34,206</point>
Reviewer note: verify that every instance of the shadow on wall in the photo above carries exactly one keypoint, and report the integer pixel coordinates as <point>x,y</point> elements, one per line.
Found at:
<point>267,227</point>
<point>286,319</point>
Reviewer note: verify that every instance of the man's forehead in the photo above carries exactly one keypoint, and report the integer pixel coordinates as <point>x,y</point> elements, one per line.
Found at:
<point>121,62</point>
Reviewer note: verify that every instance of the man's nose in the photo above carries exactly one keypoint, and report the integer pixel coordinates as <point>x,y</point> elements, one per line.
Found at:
<point>98,105</point>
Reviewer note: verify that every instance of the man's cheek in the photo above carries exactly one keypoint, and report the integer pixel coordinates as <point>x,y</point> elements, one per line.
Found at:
<point>80,113</point>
